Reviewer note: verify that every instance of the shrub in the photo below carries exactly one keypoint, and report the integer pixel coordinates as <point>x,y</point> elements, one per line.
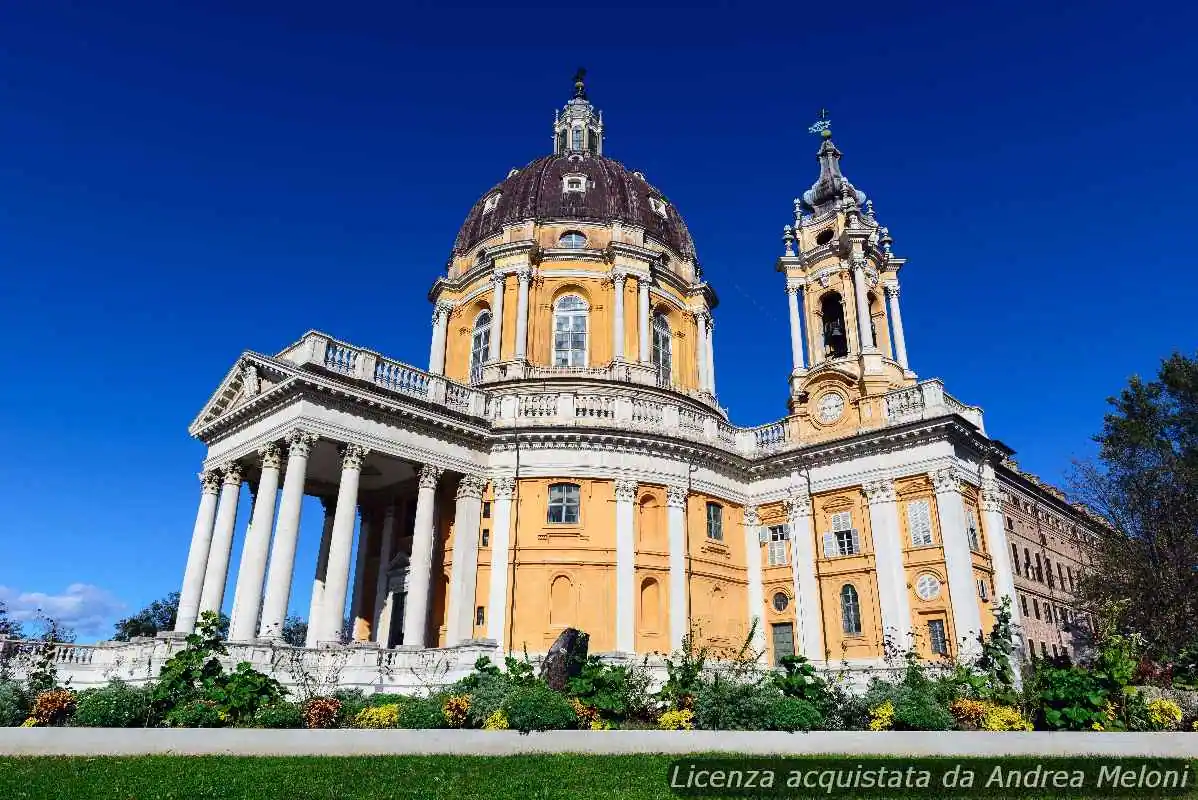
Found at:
<point>497,721</point>
<point>615,692</point>
<point>792,714</point>
<point>456,709</point>
<point>1004,718</point>
<point>279,714</point>
<point>1070,699</point>
<point>352,702</point>
<point>587,716</point>
<point>487,697</point>
<point>968,713</point>
<point>378,717</point>
<point>321,712</point>
<point>421,713</point>
<point>195,714</point>
<point>538,708</point>
<point>31,722</point>
<point>799,679</point>
<point>117,705</point>
<point>730,704</point>
<point>683,720</point>
<point>881,717</point>
<point>14,703</point>
<point>919,712</point>
<point>1164,714</point>
<point>188,672</point>
<point>684,670</point>
<point>53,706</point>
<point>240,693</point>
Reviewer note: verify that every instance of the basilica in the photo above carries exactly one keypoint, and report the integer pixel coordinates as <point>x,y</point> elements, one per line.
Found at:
<point>564,461</point>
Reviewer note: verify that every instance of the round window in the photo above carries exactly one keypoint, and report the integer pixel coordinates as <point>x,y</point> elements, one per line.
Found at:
<point>781,601</point>
<point>927,587</point>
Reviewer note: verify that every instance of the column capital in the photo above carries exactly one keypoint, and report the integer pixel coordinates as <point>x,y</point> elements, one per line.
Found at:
<point>795,288</point>
<point>352,456</point>
<point>209,481</point>
<point>798,504</point>
<point>232,472</point>
<point>676,496</point>
<point>625,490</point>
<point>299,442</point>
<point>945,480</point>
<point>891,288</point>
<point>523,273</point>
<point>618,274</point>
<point>271,455</point>
<point>470,487</point>
<point>503,487</point>
<point>429,476</point>
<point>499,277</point>
<point>879,491</point>
<point>442,310</point>
<point>991,495</point>
<point>752,518</point>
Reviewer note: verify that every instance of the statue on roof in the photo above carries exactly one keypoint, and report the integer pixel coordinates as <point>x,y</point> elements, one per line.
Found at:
<point>580,87</point>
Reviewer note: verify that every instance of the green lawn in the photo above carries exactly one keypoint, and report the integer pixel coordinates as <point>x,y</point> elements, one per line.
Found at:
<point>570,777</point>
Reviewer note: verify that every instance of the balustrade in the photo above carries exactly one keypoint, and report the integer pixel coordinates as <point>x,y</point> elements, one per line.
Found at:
<point>341,358</point>
<point>595,406</point>
<point>401,378</point>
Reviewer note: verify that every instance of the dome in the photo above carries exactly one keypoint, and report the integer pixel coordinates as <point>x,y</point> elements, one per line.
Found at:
<point>612,193</point>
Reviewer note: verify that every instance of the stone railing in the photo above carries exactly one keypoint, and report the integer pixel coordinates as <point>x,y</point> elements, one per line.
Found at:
<point>926,400</point>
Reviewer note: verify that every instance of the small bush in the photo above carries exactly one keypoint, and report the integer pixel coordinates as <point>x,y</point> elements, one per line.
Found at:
<point>487,697</point>
<point>378,717</point>
<point>881,717</point>
<point>280,714</point>
<point>683,720</point>
<point>496,722</point>
<point>14,704</point>
<point>321,712</point>
<point>792,714</point>
<point>986,716</point>
<point>117,705</point>
<point>419,713</point>
<point>1164,714</point>
<point>195,714</point>
<point>725,704</point>
<point>920,712</point>
<point>352,702</point>
<point>456,710</point>
<point>54,706</point>
<point>538,708</point>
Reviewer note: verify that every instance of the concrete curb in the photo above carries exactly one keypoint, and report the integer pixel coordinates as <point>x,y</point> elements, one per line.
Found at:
<point>253,742</point>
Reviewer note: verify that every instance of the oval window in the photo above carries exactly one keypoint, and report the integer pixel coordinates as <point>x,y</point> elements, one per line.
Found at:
<point>781,601</point>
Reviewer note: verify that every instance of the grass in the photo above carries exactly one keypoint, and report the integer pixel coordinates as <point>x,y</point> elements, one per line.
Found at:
<point>532,777</point>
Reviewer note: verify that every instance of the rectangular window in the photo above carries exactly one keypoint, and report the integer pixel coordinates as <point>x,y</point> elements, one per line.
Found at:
<point>937,637</point>
<point>1061,575</point>
<point>1069,570</point>
<point>971,530</point>
<point>563,503</point>
<point>983,589</point>
<point>486,537</point>
<point>1023,603</point>
<point>919,521</point>
<point>1015,558</point>
<point>480,615</point>
<point>843,539</point>
<point>486,509</point>
<point>1052,582</point>
<point>1010,523</point>
<point>777,545</point>
<point>715,522</point>
<point>576,139</point>
<point>1035,608</point>
<point>1044,649</point>
<point>1039,569</point>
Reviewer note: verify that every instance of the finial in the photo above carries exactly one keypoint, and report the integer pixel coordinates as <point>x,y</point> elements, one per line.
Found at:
<point>869,208</point>
<point>788,240</point>
<point>580,87</point>
<point>823,126</point>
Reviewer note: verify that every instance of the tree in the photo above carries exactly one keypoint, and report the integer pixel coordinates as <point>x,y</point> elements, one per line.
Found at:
<point>295,631</point>
<point>8,626</point>
<point>158,616</point>
<point>1144,575</point>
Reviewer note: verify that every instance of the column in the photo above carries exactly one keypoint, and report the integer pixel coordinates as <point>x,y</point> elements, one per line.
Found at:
<point>617,343</point>
<point>625,567</point>
<point>676,527</point>
<point>494,351</point>
<point>710,354</point>
<point>523,275</point>
<point>756,594</point>
<point>701,349</point>
<point>796,328</point>
<point>806,584</point>
<point>436,356</point>
<point>896,318</point>
<point>958,561</point>
<point>282,554</point>
<point>251,574</point>
<point>322,569</point>
<point>197,555</point>
<point>213,595</point>
<point>360,620</point>
<point>415,617</point>
<point>864,334</point>
<point>888,554</point>
<point>463,575</point>
<point>386,553</point>
<point>502,489</point>
<point>1000,557</point>
<point>642,310</point>
<point>341,543</point>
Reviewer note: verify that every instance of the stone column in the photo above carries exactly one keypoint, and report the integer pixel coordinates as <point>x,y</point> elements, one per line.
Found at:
<point>494,347</point>
<point>1000,554</point>
<point>501,521</point>
<point>756,593</point>
<point>796,328</point>
<point>463,575</point>
<point>415,617</point>
<point>436,357</point>
<point>896,318</point>
<point>625,567</point>
<point>646,355</point>
<point>251,574</point>
<point>282,554</point>
<point>341,543</point>
<point>710,354</point>
<point>386,553</point>
<point>217,573</point>
<point>888,559</point>
<point>360,620</point>
<point>197,555</point>
<point>617,343</point>
<point>676,527</point>
<point>322,570</point>
<point>958,561</point>
<point>701,349</point>
<point>806,584</point>
<point>524,276</point>
<point>864,333</point>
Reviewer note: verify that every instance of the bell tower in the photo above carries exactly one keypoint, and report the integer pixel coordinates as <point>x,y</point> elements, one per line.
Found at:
<point>846,329</point>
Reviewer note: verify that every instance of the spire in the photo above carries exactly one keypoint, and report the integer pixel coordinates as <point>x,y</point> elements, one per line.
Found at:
<point>831,185</point>
<point>578,128</point>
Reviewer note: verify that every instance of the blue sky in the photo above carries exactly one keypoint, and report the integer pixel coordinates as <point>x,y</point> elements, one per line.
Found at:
<point>181,182</point>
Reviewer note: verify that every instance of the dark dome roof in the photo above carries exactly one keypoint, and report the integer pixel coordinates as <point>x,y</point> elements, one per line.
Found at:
<point>613,193</point>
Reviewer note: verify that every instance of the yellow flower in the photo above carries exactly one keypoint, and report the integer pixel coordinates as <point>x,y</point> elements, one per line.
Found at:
<point>968,711</point>
<point>1003,718</point>
<point>881,718</point>
<point>455,709</point>
<point>683,720</point>
<point>385,716</point>
<point>30,722</point>
<point>1165,714</point>
<point>1097,726</point>
<point>600,725</point>
<point>496,722</point>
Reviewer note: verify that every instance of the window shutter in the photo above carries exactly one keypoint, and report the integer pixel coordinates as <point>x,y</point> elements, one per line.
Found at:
<point>829,545</point>
<point>856,541</point>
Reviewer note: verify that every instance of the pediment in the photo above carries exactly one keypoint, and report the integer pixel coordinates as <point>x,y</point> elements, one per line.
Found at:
<point>243,382</point>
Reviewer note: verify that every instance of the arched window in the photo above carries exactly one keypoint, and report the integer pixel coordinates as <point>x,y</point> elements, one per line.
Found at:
<point>572,240</point>
<point>850,610</point>
<point>480,345</point>
<point>661,349</point>
<point>836,342</point>
<point>561,602</point>
<point>563,503</point>
<point>570,332</point>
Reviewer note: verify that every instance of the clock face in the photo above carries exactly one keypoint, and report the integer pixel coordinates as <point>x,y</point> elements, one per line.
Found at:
<point>831,406</point>
<point>927,587</point>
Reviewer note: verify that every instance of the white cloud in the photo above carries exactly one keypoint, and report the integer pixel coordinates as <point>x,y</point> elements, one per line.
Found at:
<point>88,610</point>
